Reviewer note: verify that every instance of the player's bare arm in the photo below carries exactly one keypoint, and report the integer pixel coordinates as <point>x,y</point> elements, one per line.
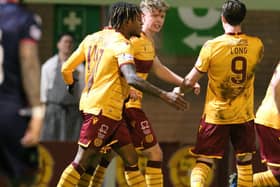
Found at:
<point>191,81</point>
<point>173,99</point>
<point>164,73</point>
<point>30,70</point>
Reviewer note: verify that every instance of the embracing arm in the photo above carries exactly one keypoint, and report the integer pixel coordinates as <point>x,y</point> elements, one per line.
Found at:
<point>132,79</point>
<point>173,99</point>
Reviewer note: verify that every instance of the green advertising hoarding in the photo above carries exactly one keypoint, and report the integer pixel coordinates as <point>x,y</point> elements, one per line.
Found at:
<point>77,19</point>
<point>186,29</point>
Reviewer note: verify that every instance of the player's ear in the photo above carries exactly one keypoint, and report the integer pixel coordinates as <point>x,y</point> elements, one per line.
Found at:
<point>223,19</point>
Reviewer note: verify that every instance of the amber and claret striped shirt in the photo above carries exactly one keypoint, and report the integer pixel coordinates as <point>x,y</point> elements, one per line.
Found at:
<point>144,55</point>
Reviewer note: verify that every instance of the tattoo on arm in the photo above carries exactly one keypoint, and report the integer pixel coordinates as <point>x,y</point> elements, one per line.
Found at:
<point>129,73</point>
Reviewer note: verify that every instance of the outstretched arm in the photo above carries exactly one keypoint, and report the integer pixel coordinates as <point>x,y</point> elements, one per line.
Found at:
<point>173,99</point>
<point>169,76</point>
<point>191,81</point>
<point>162,72</point>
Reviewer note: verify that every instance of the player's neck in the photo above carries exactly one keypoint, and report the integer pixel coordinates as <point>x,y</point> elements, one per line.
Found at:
<point>149,33</point>
<point>232,29</point>
<point>124,33</point>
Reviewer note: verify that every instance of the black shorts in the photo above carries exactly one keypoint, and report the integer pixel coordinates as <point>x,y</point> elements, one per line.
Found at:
<point>16,161</point>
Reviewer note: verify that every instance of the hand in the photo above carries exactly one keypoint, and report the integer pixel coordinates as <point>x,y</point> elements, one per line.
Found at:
<point>196,88</point>
<point>32,134</point>
<point>175,100</point>
<point>178,91</point>
<point>182,89</point>
<point>134,94</point>
<point>70,88</point>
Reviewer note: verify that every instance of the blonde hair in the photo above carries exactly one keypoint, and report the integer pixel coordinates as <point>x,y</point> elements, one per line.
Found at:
<point>150,5</point>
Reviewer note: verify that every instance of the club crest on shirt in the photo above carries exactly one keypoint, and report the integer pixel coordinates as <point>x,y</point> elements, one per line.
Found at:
<point>132,123</point>
<point>94,120</point>
<point>149,138</point>
<point>97,142</point>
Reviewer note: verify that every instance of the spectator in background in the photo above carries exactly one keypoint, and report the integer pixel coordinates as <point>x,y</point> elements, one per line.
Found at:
<point>21,113</point>
<point>62,117</point>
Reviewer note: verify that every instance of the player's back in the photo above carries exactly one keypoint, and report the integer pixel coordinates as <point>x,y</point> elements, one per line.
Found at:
<point>105,88</point>
<point>232,60</point>
<point>13,28</point>
<point>232,64</point>
<point>16,26</point>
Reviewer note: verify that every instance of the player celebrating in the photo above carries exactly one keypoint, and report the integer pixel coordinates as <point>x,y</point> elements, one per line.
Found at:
<point>142,133</point>
<point>230,61</point>
<point>109,72</point>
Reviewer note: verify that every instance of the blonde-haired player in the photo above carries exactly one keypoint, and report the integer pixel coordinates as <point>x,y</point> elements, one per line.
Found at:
<point>109,72</point>
<point>141,131</point>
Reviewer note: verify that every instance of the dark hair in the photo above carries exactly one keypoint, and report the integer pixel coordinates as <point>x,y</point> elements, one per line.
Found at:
<point>234,11</point>
<point>121,12</point>
<point>65,34</point>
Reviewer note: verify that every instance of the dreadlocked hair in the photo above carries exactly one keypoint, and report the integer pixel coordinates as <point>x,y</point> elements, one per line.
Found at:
<point>122,12</point>
<point>149,5</point>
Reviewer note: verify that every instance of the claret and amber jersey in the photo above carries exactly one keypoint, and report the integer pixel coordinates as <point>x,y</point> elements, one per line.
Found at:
<point>267,114</point>
<point>144,55</point>
<point>230,62</point>
<point>105,88</point>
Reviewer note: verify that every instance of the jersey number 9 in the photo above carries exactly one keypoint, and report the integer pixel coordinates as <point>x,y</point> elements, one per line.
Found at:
<point>239,67</point>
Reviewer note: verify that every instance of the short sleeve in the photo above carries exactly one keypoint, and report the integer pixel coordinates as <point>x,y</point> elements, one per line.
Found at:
<point>261,53</point>
<point>31,27</point>
<point>203,61</point>
<point>124,53</point>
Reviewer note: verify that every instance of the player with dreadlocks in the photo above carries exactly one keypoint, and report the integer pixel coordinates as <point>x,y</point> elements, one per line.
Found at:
<point>143,135</point>
<point>110,71</point>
